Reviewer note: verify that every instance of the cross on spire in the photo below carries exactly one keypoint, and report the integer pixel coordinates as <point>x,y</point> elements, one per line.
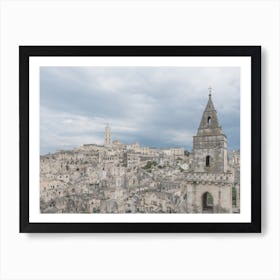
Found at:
<point>210,90</point>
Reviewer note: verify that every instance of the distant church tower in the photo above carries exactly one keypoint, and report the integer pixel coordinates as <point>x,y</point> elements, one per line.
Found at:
<point>210,143</point>
<point>108,136</point>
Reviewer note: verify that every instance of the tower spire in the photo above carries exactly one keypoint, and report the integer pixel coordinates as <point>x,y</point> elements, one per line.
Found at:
<point>210,143</point>
<point>209,118</point>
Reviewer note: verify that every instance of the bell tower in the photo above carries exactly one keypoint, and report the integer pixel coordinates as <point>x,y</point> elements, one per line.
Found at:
<point>210,143</point>
<point>108,136</point>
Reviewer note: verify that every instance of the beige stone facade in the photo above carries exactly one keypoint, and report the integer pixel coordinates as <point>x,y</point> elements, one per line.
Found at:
<point>130,178</point>
<point>211,179</point>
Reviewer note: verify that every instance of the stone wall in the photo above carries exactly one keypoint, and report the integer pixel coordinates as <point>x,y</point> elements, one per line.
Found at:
<point>221,194</point>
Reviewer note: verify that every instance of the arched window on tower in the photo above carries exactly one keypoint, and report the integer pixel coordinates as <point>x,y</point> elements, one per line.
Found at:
<point>207,161</point>
<point>209,121</point>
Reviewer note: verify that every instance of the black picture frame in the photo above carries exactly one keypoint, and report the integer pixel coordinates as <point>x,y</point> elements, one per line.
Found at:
<point>254,52</point>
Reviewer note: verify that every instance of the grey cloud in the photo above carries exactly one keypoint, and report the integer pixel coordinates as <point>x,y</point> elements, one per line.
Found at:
<point>154,106</point>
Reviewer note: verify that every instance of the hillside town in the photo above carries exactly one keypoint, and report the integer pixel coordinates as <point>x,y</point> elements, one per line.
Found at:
<point>131,178</point>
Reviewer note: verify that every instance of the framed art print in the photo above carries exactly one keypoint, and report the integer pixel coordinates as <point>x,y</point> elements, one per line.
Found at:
<point>140,138</point>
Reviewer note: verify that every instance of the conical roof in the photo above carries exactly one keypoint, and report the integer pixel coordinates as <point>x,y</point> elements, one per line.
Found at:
<point>210,105</point>
<point>209,118</point>
<point>209,124</point>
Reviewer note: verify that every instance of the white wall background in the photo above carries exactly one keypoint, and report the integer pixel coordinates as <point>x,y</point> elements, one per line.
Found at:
<point>139,256</point>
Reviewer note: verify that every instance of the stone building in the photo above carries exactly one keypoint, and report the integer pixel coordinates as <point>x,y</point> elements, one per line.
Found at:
<point>129,178</point>
<point>210,143</point>
<point>210,182</point>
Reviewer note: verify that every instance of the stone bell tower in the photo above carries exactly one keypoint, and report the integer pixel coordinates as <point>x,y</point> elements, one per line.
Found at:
<point>108,136</point>
<point>210,143</point>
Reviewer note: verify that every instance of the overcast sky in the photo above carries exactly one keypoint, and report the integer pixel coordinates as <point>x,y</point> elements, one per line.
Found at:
<point>155,106</point>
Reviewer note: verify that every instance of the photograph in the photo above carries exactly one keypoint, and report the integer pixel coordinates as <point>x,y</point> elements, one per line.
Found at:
<point>140,140</point>
<point>140,132</point>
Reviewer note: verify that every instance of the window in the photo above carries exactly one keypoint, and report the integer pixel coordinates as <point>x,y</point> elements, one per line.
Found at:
<point>234,197</point>
<point>207,161</point>
<point>209,120</point>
